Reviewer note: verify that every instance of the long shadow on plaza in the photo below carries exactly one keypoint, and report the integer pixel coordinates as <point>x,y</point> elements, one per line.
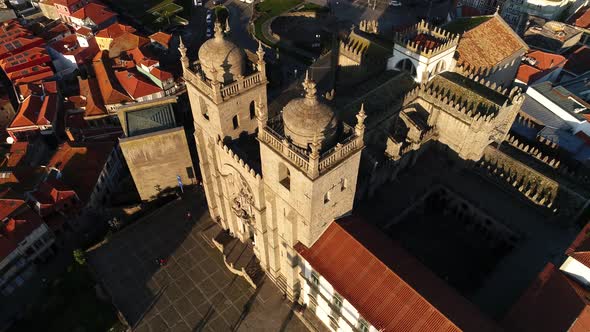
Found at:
<point>128,266</point>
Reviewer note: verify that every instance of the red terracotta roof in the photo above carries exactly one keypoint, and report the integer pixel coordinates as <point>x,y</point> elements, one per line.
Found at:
<point>28,58</point>
<point>546,60</point>
<point>527,73</point>
<point>37,78</point>
<point>36,111</point>
<point>30,71</point>
<point>66,3</point>
<point>97,13</point>
<point>579,61</point>
<point>135,84</point>
<point>115,30</point>
<point>20,224</point>
<point>427,41</point>
<point>161,38</point>
<point>81,164</point>
<point>553,302</point>
<point>160,74</point>
<point>53,194</point>
<point>90,93</point>
<point>18,150</point>
<point>12,46</point>
<point>140,58</point>
<point>126,42</point>
<point>37,88</point>
<point>580,247</point>
<point>489,43</point>
<point>391,289</point>
<point>84,31</point>
<point>110,89</point>
<point>582,18</point>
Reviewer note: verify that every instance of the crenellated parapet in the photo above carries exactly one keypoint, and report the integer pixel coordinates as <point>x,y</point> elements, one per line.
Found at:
<point>533,185</point>
<point>363,51</point>
<point>238,161</point>
<point>426,40</point>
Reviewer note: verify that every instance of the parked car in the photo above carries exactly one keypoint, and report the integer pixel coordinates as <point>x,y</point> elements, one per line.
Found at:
<point>209,17</point>
<point>395,3</point>
<point>209,32</point>
<point>216,2</point>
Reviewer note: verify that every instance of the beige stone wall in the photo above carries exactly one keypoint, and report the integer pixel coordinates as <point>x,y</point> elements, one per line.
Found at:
<point>155,160</point>
<point>48,10</point>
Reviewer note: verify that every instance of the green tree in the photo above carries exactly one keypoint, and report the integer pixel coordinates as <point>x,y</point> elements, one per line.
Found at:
<point>80,257</point>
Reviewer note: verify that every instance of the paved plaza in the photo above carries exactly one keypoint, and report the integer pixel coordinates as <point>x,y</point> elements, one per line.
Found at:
<point>194,291</point>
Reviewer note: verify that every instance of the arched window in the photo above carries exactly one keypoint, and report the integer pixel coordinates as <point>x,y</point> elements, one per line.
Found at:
<point>252,110</point>
<point>234,120</point>
<point>406,65</point>
<point>284,176</point>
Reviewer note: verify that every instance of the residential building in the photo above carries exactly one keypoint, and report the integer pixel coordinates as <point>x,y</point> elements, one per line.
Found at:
<point>93,16</point>
<point>49,9</point>
<point>581,20</point>
<point>551,36</point>
<point>32,57</point>
<point>106,37</point>
<point>578,63</point>
<point>65,8</point>
<point>36,115</point>
<point>161,40</point>
<point>69,54</point>
<point>538,66</point>
<point>572,111</point>
<point>24,240</point>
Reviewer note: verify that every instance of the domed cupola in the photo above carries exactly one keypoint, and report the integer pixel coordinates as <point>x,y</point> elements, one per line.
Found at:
<point>306,118</point>
<point>220,59</point>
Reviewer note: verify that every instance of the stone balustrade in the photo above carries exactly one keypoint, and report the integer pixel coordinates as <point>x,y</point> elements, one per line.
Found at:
<point>303,160</point>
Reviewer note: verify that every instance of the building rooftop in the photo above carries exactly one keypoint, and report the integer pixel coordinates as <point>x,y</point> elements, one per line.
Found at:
<point>564,99</point>
<point>114,31</point>
<point>161,38</point>
<point>550,36</point>
<point>90,98</point>
<point>578,62</point>
<point>580,247</point>
<point>21,222</point>
<point>97,13</point>
<point>30,71</point>
<point>390,288</point>
<point>36,111</point>
<point>21,59</point>
<point>537,64</point>
<point>581,18</point>
<point>110,89</point>
<point>81,164</point>
<point>11,46</point>
<point>487,41</point>
<point>553,302</point>
<point>136,84</point>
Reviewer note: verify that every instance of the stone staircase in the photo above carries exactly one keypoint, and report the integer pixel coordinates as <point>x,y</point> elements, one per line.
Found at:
<point>239,257</point>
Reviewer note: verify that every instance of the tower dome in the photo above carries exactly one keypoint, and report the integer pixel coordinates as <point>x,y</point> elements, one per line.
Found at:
<point>221,59</point>
<point>307,118</point>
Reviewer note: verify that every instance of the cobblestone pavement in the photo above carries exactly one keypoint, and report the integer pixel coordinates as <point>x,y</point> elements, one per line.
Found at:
<point>193,291</point>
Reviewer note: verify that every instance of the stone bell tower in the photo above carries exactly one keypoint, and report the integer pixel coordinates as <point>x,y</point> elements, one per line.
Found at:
<point>223,89</point>
<point>310,163</point>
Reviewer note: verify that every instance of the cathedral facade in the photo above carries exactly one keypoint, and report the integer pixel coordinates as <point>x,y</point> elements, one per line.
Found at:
<point>275,181</point>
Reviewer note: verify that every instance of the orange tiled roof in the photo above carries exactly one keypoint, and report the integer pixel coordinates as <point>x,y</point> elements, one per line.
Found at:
<point>391,289</point>
<point>97,13</point>
<point>580,247</point>
<point>140,58</point>
<point>489,43</point>
<point>18,151</point>
<point>81,165</point>
<point>553,302</point>
<point>37,78</point>
<point>115,30</point>
<point>90,93</point>
<point>161,38</point>
<point>30,71</point>
<point>110,89</point>
<point>36,111</point>
<point>34,54</point>
<point>126,42</point>
<point>37,88</point>
<point>579,61</point>
<point>527,73</point>
<point>19,226</point>
<point>160,74</point>
<point>582,18</point>
<point>15,45</point>
<point>135,84</point>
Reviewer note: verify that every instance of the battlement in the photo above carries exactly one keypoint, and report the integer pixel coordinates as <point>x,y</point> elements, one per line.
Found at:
<point>239,161</point>
<point>362,50</point>
<point>426,40</point>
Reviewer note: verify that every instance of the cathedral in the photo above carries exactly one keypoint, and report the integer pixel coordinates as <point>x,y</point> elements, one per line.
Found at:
<point>286,182</point>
